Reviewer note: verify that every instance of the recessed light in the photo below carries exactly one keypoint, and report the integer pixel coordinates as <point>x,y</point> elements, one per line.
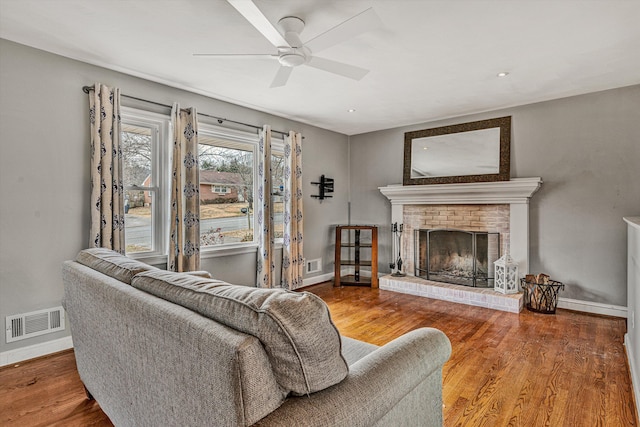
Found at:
<point>351,110</point>
<point>503,74</point>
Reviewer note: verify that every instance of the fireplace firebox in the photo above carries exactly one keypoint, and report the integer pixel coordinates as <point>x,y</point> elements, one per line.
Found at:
<point>456,256</point>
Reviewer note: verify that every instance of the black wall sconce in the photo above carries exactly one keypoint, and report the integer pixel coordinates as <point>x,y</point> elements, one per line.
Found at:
<point>325,186</point>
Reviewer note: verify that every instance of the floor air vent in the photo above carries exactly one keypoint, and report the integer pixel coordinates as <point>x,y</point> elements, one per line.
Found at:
<point>27,325</point>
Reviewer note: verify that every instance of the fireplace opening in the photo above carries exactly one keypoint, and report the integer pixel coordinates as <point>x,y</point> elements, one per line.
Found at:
<point>456,256</point>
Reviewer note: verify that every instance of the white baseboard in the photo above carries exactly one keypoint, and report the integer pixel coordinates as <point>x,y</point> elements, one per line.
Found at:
<point>36,350</point>
<point>329,276</point>
<point>317,279</point>
<point>592,307</point>
<point>635,383</point>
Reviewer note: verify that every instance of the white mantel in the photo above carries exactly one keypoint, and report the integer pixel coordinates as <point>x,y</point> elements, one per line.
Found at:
<point>515,192</point>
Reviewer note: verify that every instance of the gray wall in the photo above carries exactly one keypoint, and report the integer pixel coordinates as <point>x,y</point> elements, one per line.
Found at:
<point>44,174</point>
<point>587,151</point>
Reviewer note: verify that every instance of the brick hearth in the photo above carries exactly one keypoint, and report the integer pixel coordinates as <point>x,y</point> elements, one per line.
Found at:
<point>480,297</point>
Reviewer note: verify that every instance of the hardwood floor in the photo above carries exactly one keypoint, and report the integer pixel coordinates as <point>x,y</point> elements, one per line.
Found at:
<point>47,392</point>
<point>567,369</point>
<point>527,369</point>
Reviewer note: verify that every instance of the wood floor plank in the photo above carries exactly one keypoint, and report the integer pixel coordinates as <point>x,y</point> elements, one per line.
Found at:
<point>506,369</point>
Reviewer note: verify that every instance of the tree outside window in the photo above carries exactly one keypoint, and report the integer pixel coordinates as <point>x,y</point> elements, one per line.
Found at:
<point>226,213</point>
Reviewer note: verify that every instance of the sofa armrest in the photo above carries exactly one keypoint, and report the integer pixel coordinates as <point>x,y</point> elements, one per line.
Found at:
<point>374,386</point>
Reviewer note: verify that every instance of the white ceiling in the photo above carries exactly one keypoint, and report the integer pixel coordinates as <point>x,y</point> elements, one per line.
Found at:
<point>430,59</point>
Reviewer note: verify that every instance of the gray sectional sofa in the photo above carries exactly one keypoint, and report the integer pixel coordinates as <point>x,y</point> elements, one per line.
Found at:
<point>158,348</point>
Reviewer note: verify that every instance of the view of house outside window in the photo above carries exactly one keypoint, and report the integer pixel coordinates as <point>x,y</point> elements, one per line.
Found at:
<point>144,146</point>
<point>277,193</point>
<point>227,187</point>
<point>226,191</point>
<point>227,216</point>
<point>139,204</point>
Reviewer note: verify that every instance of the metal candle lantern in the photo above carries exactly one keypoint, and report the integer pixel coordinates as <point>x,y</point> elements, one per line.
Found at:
<point>506,275</point>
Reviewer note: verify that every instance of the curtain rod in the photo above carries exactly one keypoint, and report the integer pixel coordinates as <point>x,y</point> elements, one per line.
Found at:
<point>87,89</point>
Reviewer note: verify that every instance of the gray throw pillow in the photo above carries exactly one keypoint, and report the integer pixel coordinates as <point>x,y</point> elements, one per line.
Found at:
<point>295,328</point>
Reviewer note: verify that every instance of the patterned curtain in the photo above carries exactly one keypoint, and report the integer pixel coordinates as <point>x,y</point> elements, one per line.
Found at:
<point>292,255</point>
<point>264,213</point>
<point>107,190</point>
<point>184,240</point>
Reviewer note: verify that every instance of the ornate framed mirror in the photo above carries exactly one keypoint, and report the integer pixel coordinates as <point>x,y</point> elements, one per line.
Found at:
<point>467,152</point>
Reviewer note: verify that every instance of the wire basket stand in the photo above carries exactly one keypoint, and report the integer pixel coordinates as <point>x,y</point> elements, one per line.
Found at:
<point>541,297</point>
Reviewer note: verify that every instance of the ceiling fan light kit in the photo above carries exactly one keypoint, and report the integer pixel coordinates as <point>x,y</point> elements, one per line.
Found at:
<point>292,52</point>
<point>292,59</point>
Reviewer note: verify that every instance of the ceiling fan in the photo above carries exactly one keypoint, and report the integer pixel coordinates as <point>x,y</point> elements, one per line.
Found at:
<point>292,52</point>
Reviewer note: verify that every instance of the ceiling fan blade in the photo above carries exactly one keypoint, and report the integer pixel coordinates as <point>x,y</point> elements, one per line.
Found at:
<point>361,23</point>
<point>340,68</point>
<point>282,76</point>
<point>235,55</point>
<point>252,14</point>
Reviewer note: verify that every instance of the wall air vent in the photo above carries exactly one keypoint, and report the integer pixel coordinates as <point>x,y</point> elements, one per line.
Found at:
<point>314,265</point>
<point>27,325</point>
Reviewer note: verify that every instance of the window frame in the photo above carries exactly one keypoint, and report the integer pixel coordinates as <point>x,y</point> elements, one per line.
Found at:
<point>277,149</point>
<point>242,138</point>
<point>160,125</point>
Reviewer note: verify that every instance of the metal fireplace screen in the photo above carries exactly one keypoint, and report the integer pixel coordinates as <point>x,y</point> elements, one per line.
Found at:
<point>456,256</point>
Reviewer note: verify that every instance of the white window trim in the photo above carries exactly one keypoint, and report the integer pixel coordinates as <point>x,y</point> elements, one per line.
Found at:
<point>233,135</point>
<point>277,148</point>
<point>160,125</point>
<point>245,139</point>
<point>228,249</point>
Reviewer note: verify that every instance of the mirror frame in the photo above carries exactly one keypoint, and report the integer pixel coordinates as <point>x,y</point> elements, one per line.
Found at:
<point>504,174</point>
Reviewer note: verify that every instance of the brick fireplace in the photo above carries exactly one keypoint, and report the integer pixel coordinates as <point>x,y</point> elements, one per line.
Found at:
<point>501,206</point>
<point>489,218</point>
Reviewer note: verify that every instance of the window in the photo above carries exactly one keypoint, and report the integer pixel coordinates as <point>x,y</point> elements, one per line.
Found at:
<point>227,165</point>
<point>143,143</point>
<point>227,171</point>
<point>221,189</point>
<point>277,191</point>
<point>227,160</point>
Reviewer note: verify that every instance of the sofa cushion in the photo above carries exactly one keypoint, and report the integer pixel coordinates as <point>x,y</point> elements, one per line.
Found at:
<point>354,350</point>
<point>112,263</point>
<point>295,328</point>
